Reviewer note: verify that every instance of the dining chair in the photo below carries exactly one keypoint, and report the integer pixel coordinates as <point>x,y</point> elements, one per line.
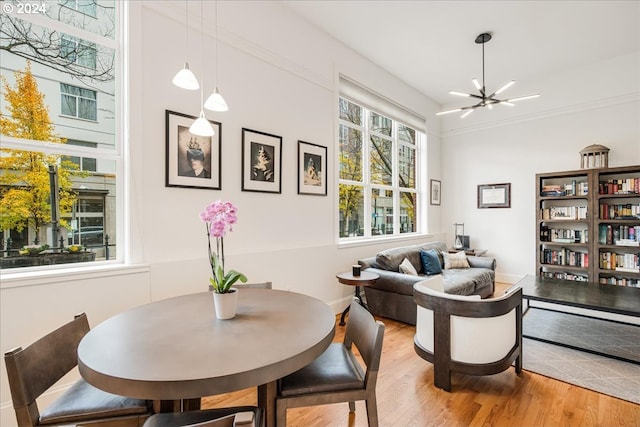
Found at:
<point>260,285</point>
<point>337,374</point>
<point>33,370</point>
<point>241,416</point>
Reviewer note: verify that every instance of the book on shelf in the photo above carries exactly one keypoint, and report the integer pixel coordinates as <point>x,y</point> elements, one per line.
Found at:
<point>627,242</point>
<point>620,186</point>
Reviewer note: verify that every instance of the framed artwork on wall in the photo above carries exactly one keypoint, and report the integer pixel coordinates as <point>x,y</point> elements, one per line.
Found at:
<point>435,192</point>
<point>494,196</point>
<point>261,162</point>
<point>312,169</point>
<point>192,161</point>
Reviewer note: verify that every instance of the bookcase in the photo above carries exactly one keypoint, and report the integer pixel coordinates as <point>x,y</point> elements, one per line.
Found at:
<point>588,225</point>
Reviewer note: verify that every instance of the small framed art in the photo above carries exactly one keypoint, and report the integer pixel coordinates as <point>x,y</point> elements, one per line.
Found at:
<point>436,192</point>
<point>261,162</point>
<point>312,169</point>
<point>494,196</point>
<point>192,161</point>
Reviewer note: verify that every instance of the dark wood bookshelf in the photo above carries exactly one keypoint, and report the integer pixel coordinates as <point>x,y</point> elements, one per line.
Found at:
<point>570,182</point>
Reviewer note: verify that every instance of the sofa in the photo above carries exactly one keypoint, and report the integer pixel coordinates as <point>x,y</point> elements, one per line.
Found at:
<point>392,294</point>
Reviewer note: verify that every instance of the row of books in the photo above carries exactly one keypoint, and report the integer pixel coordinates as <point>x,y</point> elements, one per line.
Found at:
<point>563,235</point>
<point>565,212</point>
<point>565,257</point>
<point>621,235</point>
<point>619,211</point>
<point>620,186</point>
<point>620,281</point>
<point>620,262</point>
<point>564,276</point>
<point>572,188</point>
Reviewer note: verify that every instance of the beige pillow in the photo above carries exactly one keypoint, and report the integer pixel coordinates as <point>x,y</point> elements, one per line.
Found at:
<point>457,260</point>
<point>407,268</point>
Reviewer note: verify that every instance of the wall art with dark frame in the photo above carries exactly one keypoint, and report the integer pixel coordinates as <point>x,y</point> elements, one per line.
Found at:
<point>312,169</point>
<point>261,162</point>
<point>192,161</point>
<point>436,192</point>
<point>494,196</point>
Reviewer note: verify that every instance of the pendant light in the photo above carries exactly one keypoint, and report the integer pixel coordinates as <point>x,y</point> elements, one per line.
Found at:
<point>216,102</point>
<point>201,126</point>
<point>185,79</point>
<point>483,99</point>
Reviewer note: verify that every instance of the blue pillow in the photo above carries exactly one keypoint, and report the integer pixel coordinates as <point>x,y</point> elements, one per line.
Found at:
<point>430,262</point>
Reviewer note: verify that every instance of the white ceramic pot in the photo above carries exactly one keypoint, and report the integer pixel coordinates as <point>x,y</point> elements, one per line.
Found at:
<point>226,304</point>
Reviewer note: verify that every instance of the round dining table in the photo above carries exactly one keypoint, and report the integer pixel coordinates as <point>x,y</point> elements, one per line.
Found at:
<point>177,350</point>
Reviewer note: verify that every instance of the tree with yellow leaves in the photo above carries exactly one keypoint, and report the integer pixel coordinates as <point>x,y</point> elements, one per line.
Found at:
<point>24,175</point>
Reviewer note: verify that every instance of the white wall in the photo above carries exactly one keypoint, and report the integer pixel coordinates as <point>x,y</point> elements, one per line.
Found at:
<point>599,104</point>
<point>278,76</point>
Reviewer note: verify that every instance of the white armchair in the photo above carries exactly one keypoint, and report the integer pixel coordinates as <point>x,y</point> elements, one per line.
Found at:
<point>467,334</point>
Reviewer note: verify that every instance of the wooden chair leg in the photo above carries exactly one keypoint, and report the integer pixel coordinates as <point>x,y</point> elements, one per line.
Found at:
<point>372,411</point>
<point>281,414</point>
<point>352,406</point>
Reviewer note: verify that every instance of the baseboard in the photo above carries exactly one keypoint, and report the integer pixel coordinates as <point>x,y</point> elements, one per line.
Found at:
<point>509,278</point>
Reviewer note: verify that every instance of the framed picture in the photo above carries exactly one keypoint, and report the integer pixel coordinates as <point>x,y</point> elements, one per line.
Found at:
<point>192,161</point>
<point>494,196</point>
<point>435,192</point>
<point>261,162</point>
<point>312,169</point>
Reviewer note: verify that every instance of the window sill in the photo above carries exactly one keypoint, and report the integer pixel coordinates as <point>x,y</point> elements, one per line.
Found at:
<point>10,280</point>
<point>377,240</point>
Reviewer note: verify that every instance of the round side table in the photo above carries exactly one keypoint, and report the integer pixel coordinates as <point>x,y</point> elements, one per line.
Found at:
<point>364,279</point>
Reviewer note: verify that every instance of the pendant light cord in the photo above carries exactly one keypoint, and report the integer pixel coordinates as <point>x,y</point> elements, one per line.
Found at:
<point>215,77</point>
<point>201,56</point>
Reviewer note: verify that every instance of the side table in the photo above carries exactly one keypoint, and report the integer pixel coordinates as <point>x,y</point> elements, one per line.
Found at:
<point>364,279</point>
<point>470,252</point>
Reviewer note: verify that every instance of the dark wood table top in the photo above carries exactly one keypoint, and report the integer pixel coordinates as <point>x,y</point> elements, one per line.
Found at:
<point>176,348</point>
<point>594,296</point>
<point>365,278</point>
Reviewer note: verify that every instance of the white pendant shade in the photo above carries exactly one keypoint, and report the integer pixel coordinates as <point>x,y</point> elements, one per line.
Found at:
<point>216,102</point>
<point>201,126</point>
<point>185,79</point>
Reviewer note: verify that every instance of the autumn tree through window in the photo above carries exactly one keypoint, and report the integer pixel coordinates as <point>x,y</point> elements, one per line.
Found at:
<point>378,163</point>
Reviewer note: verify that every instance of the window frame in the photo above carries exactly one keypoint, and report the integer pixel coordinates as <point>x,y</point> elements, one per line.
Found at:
<point>368,186</point>
<point>112,153</point>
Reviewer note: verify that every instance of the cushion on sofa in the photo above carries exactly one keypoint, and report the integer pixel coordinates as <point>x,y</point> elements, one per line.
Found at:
<point>390,259</point>
<point>430,262</point>
<point>407,268</point>
<point>457,260</point>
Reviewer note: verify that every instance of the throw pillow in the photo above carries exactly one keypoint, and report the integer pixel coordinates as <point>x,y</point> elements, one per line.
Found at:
<point>430,262</point>
<point>457,260</point>
<point>407,268</point>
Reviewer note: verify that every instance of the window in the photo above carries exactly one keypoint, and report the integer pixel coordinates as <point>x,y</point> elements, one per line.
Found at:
<point>78,51</point>
<point>378,191</point>
<point>83,158</point>
<point>78,102</point>
<point>87,7</point>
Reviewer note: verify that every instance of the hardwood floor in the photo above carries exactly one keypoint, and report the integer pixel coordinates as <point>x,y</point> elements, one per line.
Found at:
<point>407,397</point>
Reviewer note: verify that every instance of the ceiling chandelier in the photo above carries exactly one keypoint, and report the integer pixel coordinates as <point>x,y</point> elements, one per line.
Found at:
<point>483,99</point>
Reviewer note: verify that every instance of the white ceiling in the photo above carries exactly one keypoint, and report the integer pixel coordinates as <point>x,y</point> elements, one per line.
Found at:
<point>431,44</point>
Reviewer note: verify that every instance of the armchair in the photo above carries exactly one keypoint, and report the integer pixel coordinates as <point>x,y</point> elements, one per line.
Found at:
<point>467,334</point>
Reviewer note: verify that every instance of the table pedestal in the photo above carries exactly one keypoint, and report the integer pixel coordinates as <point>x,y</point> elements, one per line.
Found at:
<point>364,279</point>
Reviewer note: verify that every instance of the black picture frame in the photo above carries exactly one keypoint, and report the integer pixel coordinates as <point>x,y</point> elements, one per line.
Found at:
<point>261,162</point>
<point>183,149</point>
<point>436,192</point>
<point>494,196</point>
<point>312,169</point>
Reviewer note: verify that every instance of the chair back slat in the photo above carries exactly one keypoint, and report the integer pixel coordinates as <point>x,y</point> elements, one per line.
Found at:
<point>34,369</point>
<point>366,333</point>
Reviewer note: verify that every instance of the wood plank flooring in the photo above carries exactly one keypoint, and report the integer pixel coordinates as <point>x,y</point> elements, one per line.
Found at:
<point>407,397</point>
